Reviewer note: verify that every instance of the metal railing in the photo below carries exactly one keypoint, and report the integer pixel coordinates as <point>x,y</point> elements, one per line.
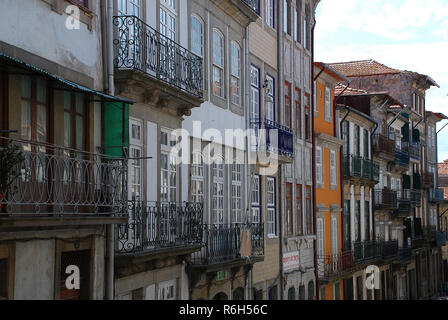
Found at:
<point>273,137</point>
<point>414,151</point>
<point>386,199</point>
<point>389,249</point>
<point>224,243</point>
<point>336,265</point>
<point>405,254</point>
<point>53,180</point>
<point>404,201</point>
<point>140,47</point>
<point>366,250</point>
<point>417,242</point>
<point>254,5</point>
<point>436,195</point>
<point>157,225</point>
<point>402,157</point>
<point>416,198</point>
<point>355,166</point>
<point>382,143</point>
<point>441,238</point>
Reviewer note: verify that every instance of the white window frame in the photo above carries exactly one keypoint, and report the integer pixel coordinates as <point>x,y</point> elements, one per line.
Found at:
<point>168,290</point>
<point>197,178</point>
<point>237,193</point>
<point>269,13</point>
<point>334,236</point>
<point>299,162</point>
<point>165,150</point>
<point>193,34</point>
<point>256,199</point>
<point>135,164</point>
<point>333,168</point>
<point>320,225</point>
<point>307,164</point>
<point>170,14</point>
<point>218,194</point>
<point>218,66</point>
<point>328,111</point>
<point>235,75</point>
<point>319,165</point>
<point>130,5</point>
<point>270,103</point>
<point>271,214</point>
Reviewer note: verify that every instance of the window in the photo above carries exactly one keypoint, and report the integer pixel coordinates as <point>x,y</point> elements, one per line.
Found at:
<point>218,64</point>
<point>197,36</point>
<point>316,94</point>
<point>34,110</point>
<point>197,178</point>
<point>298,159</point>
<point>307,164</point>
<point>167,290</point>
<point>323,293</point>
<point>168,20</point>
<point>129,7</point>
<point>271,220</point>
<point>328,111</point>
<point>319,166</point>
<point>334,236</point>
<point>345,137</point>
<point>320,236</point>
<point>288,115</point>
<point>286,17</point>
<point>307,28</point>
<point>256,199</point>
<point>75,124</point>
<point>333,169</point>
<point>135,162</point>
<point>308,128</point>
<point>218,193</point>
<point>82,260</point>
<point>235,85</point>
<point>311,290</point>
<point>289,211</point>
<point>366,144</point>
<point>309,211</point>
<point>347,229</point>
<point>269,13</point>
<point>367,220</point>
<point>337,291</point>
<point>255,94</point>
<point>297,99</point>
<point>299,210</point>
<point>357,141</point>
<point>357,220</point>
<point>237,201</point>
<point>298,21</point>
<point>168,167</point>
<point>270,101</point>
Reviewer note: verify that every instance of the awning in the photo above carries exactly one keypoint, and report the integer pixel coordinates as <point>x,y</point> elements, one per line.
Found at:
<point>66,83</point>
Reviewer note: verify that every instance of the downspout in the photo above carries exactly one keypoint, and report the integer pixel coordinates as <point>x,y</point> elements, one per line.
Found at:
<point>280,103</point>
<point>104,45</point>
<point>313,166</point>
<point>110,254</point>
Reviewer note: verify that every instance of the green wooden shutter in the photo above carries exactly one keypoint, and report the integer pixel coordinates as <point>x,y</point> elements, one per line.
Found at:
<point>113,128</point>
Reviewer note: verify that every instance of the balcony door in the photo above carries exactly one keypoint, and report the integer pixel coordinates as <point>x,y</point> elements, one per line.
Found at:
<point>130,51</point>
<point>130,8</point>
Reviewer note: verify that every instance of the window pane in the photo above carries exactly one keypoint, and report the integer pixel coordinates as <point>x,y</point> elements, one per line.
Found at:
<point>218,48</point>
<point>41,88</point>
<point>197,36</point>
<point>79,133</point>
<point>26,87</point>
<point>80,103</point>
<point>67,130</point>
<point>41,123</point>
<point>26,120</point>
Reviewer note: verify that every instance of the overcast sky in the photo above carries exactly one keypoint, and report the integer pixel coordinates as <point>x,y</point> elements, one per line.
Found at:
<point>404,34</point>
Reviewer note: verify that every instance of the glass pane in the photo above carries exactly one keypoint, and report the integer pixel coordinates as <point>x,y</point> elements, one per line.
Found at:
<point>41,88</point>
<point>41,123</point>
<point>67,101</point>
<point>80,103</point>
<point>79,133</point>
<point>26,120</point>
<point>67,130</point>
<point>26,87</point>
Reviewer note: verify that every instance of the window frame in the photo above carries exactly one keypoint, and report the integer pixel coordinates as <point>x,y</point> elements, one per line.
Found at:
<point>271,94</point>
<point>299,206</point>
<point>333,169</point>
<point>192,30</point>
<point>271,208</point>
<point>298,105</point>
<point>320,161</point>
<point>269,13</point>
<point>288,105</point>
<point>216,66</point>
<point>233,76</point>
<point>258,203</point>
<point>328,108</point>
<point>289,221</point>
<point>218,179</point>
<point>237,196</point>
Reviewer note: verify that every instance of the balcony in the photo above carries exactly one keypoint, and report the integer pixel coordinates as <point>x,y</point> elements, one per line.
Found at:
<point>405,255</point>
<point>417,242</point>
<point>382,145</point>
<point>428,179</point>
<point>402,158</point>
<point>386,199</point>
<point>225,244</point>
<point>404,202</point>
<point>416,198</point>
<point>441,238</point>
<point>160,226</point>
<point>157,64</point>
<point>333,266</point>
<point>245,11</point>
<point>366,251</point>
<point>414,151</point>
<point>436,195</point>
<point>358,167</point>
<point>54,181</point>
<point>274,138</point>
<point>389,249</point>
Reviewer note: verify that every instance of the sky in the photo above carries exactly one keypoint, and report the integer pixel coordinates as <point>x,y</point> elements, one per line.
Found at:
<point>403,34</point>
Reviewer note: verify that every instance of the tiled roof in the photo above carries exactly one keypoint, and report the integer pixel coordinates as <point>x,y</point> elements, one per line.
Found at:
<point>362,68</point>
<point>339,88</point>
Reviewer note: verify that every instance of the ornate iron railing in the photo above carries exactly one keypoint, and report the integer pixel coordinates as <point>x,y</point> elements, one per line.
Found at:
<point>414,151</point>
<point>254,5</point>
<point>386,199</point>
<point>366,250</point>
<point>389,249</point>
<point>402,157</point>
<point>156,225</point>
<point>275,137</point>
<point>355,166</point>
<point>382,143</point>
<point>336,265</point>
<point>53,180</point>
<point>224,243</point>
<point>404,201</point>
<point>405,254</point>
<point>140,47</point>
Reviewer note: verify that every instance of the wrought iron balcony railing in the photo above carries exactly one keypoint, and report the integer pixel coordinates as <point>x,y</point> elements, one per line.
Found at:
<point>389,249</point>
<point>404,201</point>
<point>405,254</point>
<point>156,225</point>
<point>140,47</point>
<point>402,157</point>
<point>383,144</point>
<point>416,198</point>
<point>336,265</point>
<point>225,243</point>
<point>273,137</point>
<point>53,180</point>
<point>386,199</point>
<point>355,166</point>
<point>366,250</point>
<point>436,195</point>
<point>414,151</point>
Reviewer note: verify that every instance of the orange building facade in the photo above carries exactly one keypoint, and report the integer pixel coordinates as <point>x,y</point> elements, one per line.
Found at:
<point>329,203</point>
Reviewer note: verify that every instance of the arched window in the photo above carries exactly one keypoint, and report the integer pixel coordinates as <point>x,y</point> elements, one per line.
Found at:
<point>218,64</point>
<point>292,293</point>
<point>221,296</point>
<point>235,81</point>
<point>302,295</point>
<point>311,290</point>
<point>197,36</point>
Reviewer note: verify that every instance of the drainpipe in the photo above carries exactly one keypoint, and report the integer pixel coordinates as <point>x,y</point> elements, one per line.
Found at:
<point>281,105</point>
<point>104,44</point>
<point>110,228</point>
